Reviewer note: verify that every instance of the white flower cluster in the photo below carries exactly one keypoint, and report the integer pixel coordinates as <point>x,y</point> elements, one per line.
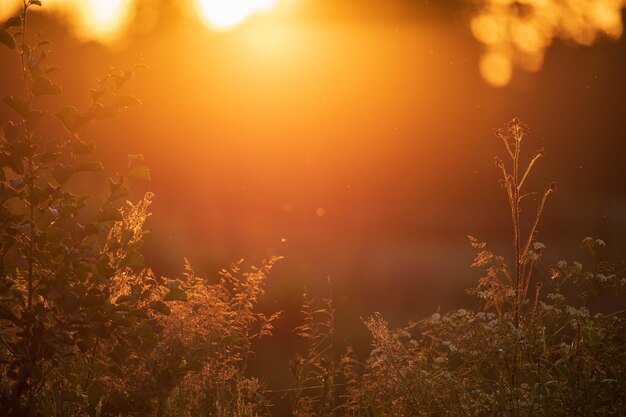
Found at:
<point>606,278</point>
<point>450,345</point>
<point>559,298</point>
<point>581,312</point>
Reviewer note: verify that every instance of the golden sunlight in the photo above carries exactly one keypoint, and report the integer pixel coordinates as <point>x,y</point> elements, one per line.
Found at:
<point>104,18</point>
<point>100,20</point>
<point>222,14</point>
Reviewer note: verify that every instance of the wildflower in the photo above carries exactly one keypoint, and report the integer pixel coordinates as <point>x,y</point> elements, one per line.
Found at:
<point>544,306</point>
<point>604,278</point>
<point>555,297</point>
<point>450,345</point>
<point>538,246</point>
<point>581,312</point>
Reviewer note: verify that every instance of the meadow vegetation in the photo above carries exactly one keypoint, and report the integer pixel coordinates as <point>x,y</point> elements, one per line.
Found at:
<point>86,329</point>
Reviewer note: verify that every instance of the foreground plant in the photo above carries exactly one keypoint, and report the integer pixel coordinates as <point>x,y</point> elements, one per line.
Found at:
<point>85,327</point>
<point>524,353</point>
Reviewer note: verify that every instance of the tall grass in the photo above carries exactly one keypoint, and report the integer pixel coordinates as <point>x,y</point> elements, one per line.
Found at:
<point>86,329</point>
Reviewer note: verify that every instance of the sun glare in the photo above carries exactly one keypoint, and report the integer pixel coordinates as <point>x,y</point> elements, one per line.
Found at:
<point>101,20</point>
<point>222,14</point>
<point>104,18</point>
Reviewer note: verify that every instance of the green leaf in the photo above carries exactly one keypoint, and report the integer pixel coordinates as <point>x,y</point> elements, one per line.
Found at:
<point>67,115</point>
<point>43,86</point>
<point>133,259</point>
<point>231,339</point>
<point>70,395</point>
<point>11,132</point>
<point>90,229</point>
<point>160,307</point>
<point>110,214</point>
<point>39,195</point>
<point>35,2</point>
<point>128,101</point>
<point>62,173</point>
<point>176,294</point>
<point>121,78</point>
<point>95,94</point>
<point>85,344</point>
<point>50,157</point>
<point>140,172</point>
<point>90,166</point>
<point>94,393</point>
<point>33,119</point>
<point>6,313</point>
<point>7,39</point>
<point>124,298</point>
<point>81,147</point>
<point>172,285</point>
<point>118,189</point>
<point>99,112</point>
<point>18,104</point>
<point>15,164</point>
<point>13,21</point>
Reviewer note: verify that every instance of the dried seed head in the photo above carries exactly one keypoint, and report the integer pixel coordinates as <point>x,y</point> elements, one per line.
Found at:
<point>551,187</point>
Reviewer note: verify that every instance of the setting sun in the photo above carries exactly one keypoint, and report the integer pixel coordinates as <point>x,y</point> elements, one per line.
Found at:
<point>226,13</point>
<point>104,18</point>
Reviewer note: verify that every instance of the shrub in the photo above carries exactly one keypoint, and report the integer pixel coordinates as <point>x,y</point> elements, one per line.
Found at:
<point>85,327</point>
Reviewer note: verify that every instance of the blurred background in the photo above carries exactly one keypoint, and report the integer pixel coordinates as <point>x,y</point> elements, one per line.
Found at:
<point>352,137</point>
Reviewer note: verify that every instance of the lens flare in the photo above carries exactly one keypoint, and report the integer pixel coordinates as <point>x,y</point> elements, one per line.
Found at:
<point>517,32</point>
<point>222,14</point>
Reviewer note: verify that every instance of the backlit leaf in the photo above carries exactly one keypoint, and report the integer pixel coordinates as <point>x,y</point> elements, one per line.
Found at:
<point>160,307</point>
<point>13,21</point>
<point>43,86</point>
<point>18,104</point>
<point>175,294</point>
<point>110,214</point>
<point>128,101</point>
<point>62,173</point>
<point>90,166</point>
<point>140,172</point>
<point>133,259</point>
<point>67,115</point>
<point>7,39</point>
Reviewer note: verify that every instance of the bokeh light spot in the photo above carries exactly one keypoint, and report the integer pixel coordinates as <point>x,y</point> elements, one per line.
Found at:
<point>496,68</point>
